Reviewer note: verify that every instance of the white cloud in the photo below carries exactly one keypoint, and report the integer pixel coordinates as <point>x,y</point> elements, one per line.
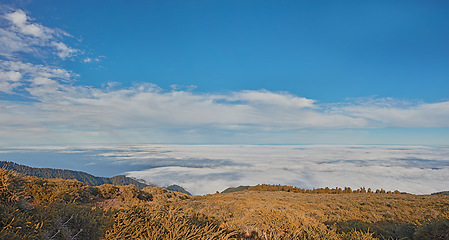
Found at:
<point>151,107</point>
<point>20,21</point>
<point>144,108</point>
<point>11,43</point>
<point>91,60</point>
<point>203,169</point>
<point>12,76</point>
<point>64,51</point>
<point>15,75</point>
<point>87,60</point>
<point>7,87</point>
<point>281,99</point>
<point>388,113</point>
<point>9,81</point>
<point>21,35</point>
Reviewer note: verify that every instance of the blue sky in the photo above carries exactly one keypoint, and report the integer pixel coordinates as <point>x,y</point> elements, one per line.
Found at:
<point>224,72</point>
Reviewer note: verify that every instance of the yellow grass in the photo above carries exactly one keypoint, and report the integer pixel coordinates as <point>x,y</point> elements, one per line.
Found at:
<point>36,208</point>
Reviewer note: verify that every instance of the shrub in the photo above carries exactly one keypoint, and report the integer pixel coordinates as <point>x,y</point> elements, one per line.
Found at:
<point>55,189</point>
<point>67,220</point>
<point>11,186</point>
<point>436,229</point>
<point>163,222</point>
<point>358,235</point>
<point>35,208</point>
<point>108,191</point>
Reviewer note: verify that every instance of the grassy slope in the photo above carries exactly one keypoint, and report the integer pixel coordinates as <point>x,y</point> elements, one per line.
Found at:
<point>286,215</point>
<point>331,207</point>
<point>388,215</point>
<point>36,208</point>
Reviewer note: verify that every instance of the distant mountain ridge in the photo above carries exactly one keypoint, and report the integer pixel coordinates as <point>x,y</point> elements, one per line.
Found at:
<point>89,179</point>
<point>83,177</point>
<point>177,188</point>
<point>235,189</point>
<point>441,193</point>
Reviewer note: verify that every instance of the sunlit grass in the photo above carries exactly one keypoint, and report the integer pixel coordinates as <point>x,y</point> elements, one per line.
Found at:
<point>36,208</point>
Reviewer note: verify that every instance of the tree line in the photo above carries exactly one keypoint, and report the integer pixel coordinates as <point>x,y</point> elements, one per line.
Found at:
<point>326,190</point>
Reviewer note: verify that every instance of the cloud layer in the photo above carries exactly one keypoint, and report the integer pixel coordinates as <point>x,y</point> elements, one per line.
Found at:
<point>203,169</point>
<point>419,170</point>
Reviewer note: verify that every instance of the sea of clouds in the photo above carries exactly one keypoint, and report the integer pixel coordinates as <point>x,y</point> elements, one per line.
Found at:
<point>203,169</point>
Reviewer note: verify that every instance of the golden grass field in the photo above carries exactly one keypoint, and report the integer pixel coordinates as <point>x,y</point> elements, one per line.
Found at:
<point>36,208</point>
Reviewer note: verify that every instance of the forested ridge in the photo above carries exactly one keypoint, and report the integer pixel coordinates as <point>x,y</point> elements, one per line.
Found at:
<point>326,190</point>
<point>83,177</point>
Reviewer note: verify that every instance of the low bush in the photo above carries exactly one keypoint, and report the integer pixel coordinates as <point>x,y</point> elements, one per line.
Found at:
<point>436,229</point>
<point>163,222</point>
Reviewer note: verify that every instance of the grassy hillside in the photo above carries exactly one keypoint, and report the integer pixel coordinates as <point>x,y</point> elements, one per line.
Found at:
<point>285,214</point>
<point>38,208</point>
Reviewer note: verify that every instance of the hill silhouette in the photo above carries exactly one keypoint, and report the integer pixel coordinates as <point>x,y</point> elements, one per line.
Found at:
<point>89,179</point>
<point>235,189</point>
<point>177,188</point>
<point>83,177</point>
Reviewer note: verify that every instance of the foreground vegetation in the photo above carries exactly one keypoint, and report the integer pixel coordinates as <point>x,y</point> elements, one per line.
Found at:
<point>37,208</point>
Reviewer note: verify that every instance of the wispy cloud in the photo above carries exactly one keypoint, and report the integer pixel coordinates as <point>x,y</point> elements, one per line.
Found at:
<point>92,59</point>
<point>280,99</point>
<point>37,81</point>
<point>392,113</point>
<point>19,34</point>
<point>58,104</point>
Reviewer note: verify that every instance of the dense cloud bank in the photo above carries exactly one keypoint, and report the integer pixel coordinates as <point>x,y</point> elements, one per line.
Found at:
<point>411,169</point>
<point>203,169</point>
